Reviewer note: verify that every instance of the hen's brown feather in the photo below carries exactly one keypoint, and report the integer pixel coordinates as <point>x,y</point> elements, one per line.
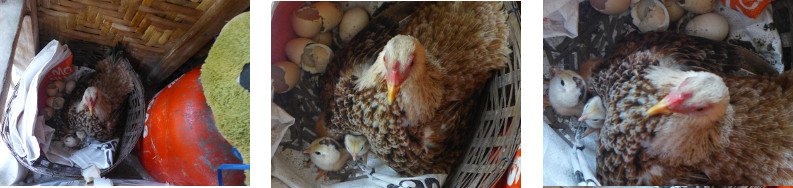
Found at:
<point>756,149</point>
<point>465,41</point>
<point>114,83</point>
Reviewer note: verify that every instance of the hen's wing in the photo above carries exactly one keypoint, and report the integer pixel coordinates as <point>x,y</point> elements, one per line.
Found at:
<point>466,51</point>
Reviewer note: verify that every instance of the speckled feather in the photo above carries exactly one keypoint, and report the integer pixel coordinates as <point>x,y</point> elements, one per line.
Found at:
<point>467,39</point>
<point>760,146</point>
<point>114,82</point>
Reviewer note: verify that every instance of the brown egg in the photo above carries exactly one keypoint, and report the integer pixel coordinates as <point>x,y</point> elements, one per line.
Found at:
<point>316,58</point>
<point>610,7</point>
<point>698,6</point>
<point>294,48</point>
<point>285,76</point>
<point>331,14</point>
<point>306,21</point>
<point>650,15</point>
<point>674,9</point>
<point>323,38</point>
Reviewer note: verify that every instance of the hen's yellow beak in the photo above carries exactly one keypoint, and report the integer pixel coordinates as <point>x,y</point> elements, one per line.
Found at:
<point>392,91</point>
<point>660,107</point>
<point>91,110</point>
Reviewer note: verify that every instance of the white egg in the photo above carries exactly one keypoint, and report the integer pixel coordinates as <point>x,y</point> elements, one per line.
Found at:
<point>610,7</point>
<point>711,25</point>
<point>650,15</point>
<point>354,21</point>
<point>306,21</point>
<point>294,48</point>
<point>331,14</point>
<point>698,6</point>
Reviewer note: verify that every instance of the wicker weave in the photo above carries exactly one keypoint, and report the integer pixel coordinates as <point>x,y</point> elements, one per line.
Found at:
<point>159,34</point>
<point>496,137</point>
<point>133,127</point>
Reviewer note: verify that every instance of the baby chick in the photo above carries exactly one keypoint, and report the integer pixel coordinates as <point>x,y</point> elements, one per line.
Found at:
<point>567,92</point>
<point>326,154</point>
<point>357,146</point>
<point>593,114</point>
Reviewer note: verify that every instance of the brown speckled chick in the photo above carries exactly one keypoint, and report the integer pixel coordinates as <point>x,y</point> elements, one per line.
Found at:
<point>679,115</point>
<point>408,91</point>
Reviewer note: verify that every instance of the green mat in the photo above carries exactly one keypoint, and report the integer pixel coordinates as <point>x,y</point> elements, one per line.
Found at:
<point>230,102</point>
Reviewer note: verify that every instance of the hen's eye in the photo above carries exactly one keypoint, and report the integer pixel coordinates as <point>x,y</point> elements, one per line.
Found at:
<point>562,82</point>
<point>700,109</point>
<point>317,153</point>
<point>596,120</point>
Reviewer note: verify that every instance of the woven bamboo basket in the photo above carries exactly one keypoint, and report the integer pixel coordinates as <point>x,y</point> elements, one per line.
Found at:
<point>495,133</point>
<point>158,35</point>
<point>133,126</point>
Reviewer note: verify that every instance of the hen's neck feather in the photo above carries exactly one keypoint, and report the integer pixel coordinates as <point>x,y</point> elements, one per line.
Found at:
<point>421,93</point>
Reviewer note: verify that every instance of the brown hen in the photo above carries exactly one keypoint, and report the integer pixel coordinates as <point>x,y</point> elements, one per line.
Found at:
<point>410,94</point>
<point>717,128</point>
<point>96,106</point>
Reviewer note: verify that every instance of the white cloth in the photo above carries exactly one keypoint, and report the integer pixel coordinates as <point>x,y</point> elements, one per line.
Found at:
<point>766,41</point>
<point>568,166</point>
<point>21,130</point>
<point>380,175</point>
<point>560,18</point>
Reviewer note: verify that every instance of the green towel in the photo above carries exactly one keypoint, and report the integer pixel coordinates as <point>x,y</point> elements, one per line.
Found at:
<point>229,101</point>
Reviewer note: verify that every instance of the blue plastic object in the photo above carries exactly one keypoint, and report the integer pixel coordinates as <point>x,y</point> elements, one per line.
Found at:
<point>236,153</point>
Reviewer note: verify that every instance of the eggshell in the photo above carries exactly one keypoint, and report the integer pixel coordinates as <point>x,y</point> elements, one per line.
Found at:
<point>316,58</point>
<point>650,15</point>
<point>331,14</point>
<point>711,25</point>
<point>306,21</point>
<point>323,38</point>
<point>674,9</point>
<point>610,7</point>
<point>285,76</point>
<point>60,84</point>
<point>354,21</point>
<point>698,6</point>
<point>294,48</point>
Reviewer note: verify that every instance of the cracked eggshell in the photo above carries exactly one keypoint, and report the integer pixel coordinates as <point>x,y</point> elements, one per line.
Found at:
<point>354,21</point>
<point>650,15</point>
<point>674,9</point>
<point>698,6</point>
<point>306,21</point>
<point>294,48</point>
<point>711,25</point>
<point>285,76</point>
<point>610,7</point>
<point>316,58</point>
<point>331,14</point>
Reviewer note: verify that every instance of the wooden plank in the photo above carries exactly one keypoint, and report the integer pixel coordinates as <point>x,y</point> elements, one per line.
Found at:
<point>193,40</point>
<point>11,14</point>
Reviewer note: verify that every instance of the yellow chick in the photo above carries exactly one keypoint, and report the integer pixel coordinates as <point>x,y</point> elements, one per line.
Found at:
<point>593,114</point>
<point>567,92</point>
<point>325,153</point>
<point>357,145</point>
